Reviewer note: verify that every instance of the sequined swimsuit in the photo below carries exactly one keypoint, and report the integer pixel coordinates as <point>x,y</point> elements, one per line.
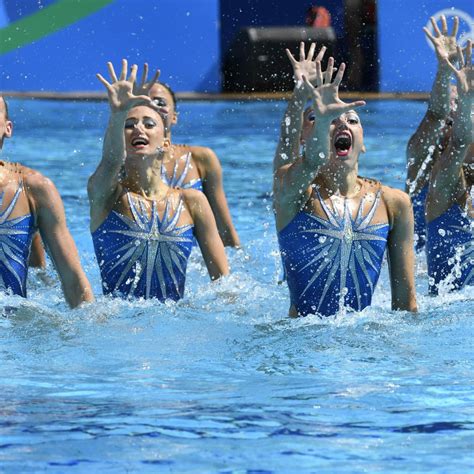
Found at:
<point>15,243</point>
<point>145,256</point>
<point>335,262</point>
<point>177,180</point>
<point>450,250</point>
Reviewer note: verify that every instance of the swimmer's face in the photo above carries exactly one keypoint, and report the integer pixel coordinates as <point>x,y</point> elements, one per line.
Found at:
<point>162,97</point>
<point>6,126</point>
<point>347,137</point>
<point>144,132</point>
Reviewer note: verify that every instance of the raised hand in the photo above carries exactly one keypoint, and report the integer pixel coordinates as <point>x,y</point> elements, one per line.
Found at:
<point>325,96</point>
<point>144,86</point>
<point>306,65</point>
<point>444,43</point>
<point>120,90</point>
<point>465,73</point>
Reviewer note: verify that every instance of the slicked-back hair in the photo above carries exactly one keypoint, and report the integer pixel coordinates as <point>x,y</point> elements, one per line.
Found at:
<point>173,95</point>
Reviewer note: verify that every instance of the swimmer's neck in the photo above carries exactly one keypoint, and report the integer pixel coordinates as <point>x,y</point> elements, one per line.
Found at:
<point>145,180</point>
<point>339,182</point>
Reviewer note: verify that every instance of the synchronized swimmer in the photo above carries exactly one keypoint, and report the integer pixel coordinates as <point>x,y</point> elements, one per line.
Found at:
<point>151,200</point>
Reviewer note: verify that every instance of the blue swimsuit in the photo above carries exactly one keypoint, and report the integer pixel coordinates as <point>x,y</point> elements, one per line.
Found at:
<point>333,263</point>
<point>450,249</point>
<point>177,180</point>
<point>144,256</point>
<point>419,200</point>
<point>15,242</point>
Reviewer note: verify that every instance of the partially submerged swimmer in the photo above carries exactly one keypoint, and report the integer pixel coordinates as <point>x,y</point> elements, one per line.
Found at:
<point>191,166</point>
<point>29,202</point>
<point>333,226</point>
<point>431,137</point>
<point>143,230</point>
<point>449,204</point>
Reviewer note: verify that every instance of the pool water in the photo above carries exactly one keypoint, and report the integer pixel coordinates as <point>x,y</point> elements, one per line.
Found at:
<point>224,381</point>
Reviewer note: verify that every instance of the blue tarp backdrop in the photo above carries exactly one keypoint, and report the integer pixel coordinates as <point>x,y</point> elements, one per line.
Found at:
<point>407,61</point>
<point>59,45</point>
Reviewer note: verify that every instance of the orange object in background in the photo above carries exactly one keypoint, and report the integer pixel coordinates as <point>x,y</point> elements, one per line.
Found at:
<point>318,17</point>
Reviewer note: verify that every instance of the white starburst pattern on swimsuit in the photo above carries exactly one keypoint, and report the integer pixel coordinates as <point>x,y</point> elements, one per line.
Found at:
<point>152,247</point>
<point>11,250</point>
<point>349,243</point>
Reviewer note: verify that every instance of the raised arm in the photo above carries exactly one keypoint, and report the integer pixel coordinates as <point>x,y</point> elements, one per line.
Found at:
<point>401,257</point>
<point>291,181</point>
<point>291,126</point>
<point>447,183</point>
<point>427,134</point>
<point>103,184</point>
<point>57,239</point>
<point>205,228</point>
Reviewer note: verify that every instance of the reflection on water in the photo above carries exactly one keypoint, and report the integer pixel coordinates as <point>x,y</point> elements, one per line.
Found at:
<point>223,376</point>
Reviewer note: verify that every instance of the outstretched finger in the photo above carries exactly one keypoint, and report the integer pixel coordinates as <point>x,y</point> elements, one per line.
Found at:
<point>469,53</point>
<point>319,74</point>
<point>103,80</point>
<point>429,34</point>
<point>444,25</point>
<point>320,55</point>
<point>328,71</point>
<point>302,56</point>
<point>311,52</point>
<point>435,27</point>
<point>460,57</point>
<point>144,75</point>
<point>133,74</point>
<point>155,77</point>
<point>352,105</point>
<point>339,75</point>
<point>123,74</point>
<point>290,57</point>
<point>455,27</point>
<point>111,69</point>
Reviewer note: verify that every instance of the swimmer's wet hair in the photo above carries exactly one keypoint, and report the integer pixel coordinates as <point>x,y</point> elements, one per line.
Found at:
<point>171,91</point>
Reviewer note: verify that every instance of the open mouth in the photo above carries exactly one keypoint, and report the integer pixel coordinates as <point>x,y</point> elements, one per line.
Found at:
<point>139,142</point>
<point>343,143</point>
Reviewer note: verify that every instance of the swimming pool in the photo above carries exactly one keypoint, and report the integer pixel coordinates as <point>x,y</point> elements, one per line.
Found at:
<point>223,381</point>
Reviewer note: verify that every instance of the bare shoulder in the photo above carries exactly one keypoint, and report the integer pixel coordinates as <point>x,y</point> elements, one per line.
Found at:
<point>397,201</point>
<point>204,156</point>
<point>39,186</point>
<point>193,197</point>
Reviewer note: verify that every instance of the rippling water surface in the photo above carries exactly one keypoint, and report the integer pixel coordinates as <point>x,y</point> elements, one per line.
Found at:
<point>223,381</point>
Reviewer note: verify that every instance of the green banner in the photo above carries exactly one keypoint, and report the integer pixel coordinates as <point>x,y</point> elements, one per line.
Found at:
<point>46,21</point>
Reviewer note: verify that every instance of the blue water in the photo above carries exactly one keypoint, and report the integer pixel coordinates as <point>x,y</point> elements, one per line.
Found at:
<point>223,381</point>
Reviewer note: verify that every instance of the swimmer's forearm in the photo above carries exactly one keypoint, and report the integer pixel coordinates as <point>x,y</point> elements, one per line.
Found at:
<point>317,147</point>
<point>290,132</point>
<point>114,141</point>
<point>439,102</point>
<point>462,124</point>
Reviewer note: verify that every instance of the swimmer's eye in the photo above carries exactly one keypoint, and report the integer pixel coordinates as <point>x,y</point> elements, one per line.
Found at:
<point>149,123</point>
<point>130,123</point>
<point>160,102</point>
<point>449,122</point>
<point>353,119</point>
<point>312,117</point>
